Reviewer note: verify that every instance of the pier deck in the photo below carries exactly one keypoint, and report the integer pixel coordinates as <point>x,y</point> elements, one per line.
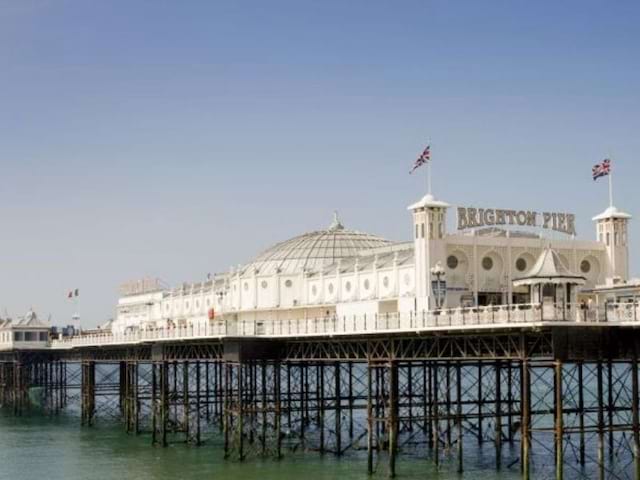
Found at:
<point>548,398</point>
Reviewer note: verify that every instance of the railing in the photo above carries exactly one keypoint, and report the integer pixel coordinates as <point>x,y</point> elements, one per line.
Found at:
<point>503,315</point>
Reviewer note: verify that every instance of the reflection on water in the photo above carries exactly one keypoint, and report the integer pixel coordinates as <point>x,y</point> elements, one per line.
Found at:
<point>35,447</point>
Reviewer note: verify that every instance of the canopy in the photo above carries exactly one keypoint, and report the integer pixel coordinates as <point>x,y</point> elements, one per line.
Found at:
<point>549,269</point>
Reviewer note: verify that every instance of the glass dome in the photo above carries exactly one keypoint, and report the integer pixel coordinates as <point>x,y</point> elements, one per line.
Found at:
<point>314,250</point>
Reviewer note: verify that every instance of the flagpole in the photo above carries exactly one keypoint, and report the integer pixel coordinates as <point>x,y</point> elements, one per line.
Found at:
<point>610,188</point>
<point>429,167</point>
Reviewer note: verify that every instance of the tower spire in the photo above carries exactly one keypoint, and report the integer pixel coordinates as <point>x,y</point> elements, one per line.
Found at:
<point>336,224</point>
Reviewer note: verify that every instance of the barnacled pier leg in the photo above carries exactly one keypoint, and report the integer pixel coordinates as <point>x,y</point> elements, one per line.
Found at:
<point>198,403</point>
<point>459,415</point>
<point>321,406</point>
<point>164,402</point>
<point>581,411</point>
<point>392,417</point>
<point>122,392</point>
<point>610,408</point>
<point>498,428</point>
<point>559,424</point>
<point>278,408</point>
<point>88,392</point>
<point>351,400</point>
<point>601,459</point>
<point>635,415</point>
<point>370,419</point>
<point>226,413</point>
<point>186,401</point>
<point>480,404</point>
<point>338,412</point>
<point>239,411</point>
<point>435,415</point>
<point>154,405</point>
<point>525,419</point>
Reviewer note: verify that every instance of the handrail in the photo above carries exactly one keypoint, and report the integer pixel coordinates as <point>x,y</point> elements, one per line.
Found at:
<point>512,314</point>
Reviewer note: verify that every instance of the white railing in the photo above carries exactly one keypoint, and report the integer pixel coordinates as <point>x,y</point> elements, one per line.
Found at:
<point>503,315</point>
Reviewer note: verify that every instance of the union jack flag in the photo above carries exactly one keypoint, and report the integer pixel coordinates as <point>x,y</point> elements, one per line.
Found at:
<point>601,169</point>
<point>422,159</point>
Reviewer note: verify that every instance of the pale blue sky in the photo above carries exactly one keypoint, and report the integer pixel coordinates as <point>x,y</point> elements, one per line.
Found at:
<point>177,138</point>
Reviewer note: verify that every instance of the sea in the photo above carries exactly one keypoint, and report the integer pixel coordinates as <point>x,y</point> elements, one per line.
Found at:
<point>41,447</point>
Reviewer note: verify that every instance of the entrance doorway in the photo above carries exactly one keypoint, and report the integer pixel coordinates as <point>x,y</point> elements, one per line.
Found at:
<point>489,298</point>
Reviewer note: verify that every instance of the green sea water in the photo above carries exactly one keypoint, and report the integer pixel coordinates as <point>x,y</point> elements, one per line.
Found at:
<point>38,447</point>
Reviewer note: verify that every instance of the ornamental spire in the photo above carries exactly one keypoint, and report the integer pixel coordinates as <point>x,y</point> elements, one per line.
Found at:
<point>336,224</point>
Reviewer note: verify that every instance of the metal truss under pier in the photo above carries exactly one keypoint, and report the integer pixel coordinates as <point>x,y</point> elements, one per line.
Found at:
<point>543,401</point>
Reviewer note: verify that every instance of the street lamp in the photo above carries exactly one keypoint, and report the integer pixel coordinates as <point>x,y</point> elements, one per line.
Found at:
<point>439,284</point>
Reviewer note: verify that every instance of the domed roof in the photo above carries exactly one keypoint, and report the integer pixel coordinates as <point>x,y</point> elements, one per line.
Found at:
<point>314,250</point>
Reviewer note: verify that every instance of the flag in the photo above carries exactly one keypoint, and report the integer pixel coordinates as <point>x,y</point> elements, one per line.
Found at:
<point>422,159</point>
<point>601,169</point>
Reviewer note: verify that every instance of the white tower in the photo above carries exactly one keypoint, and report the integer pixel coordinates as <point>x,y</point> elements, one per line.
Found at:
<point>429,230</point>
<point>612,225</point>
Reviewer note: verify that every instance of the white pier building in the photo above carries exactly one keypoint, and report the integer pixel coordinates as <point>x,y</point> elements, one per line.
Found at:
<point>492,258</point>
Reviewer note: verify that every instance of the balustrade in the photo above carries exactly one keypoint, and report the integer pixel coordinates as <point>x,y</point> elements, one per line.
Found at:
<point>503,315</point>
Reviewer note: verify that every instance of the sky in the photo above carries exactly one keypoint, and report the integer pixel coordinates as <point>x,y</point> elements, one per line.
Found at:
<point>175,139</point>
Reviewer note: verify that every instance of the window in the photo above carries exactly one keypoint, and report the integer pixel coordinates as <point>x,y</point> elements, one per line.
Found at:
<point>487,263</point>
<point>417,234</point>
<point>314,290</point>
<point>521,264</point>
<point>288,283</point>
<point>608,238</point>
<point>347,286</point>
<point>585,266</point>
<point>385,282</point>
<point>264,284</point>
<point>422,230</point>
<point>246,286</point>
<point>366,284</point>
<point>330,288</point>
<point>452,262</point>
<point>407,279</point>
<point>43,336</point>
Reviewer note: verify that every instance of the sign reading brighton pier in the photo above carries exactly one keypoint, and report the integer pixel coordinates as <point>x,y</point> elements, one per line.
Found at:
<point>470,217</point>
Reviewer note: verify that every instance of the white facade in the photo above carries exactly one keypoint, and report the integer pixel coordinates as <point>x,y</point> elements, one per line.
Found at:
<point>338,272</point>
<point>26,333</point>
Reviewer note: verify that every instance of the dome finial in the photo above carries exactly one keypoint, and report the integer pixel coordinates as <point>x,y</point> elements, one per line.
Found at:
<point>336,224</point>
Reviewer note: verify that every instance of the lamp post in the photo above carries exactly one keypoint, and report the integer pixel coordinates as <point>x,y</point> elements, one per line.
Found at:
<point>439,284</point>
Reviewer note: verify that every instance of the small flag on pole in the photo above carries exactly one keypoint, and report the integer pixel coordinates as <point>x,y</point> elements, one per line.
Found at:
<point>424,157</point>
<point>601,169</point>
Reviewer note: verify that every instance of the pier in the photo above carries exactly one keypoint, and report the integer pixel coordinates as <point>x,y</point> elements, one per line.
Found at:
<point>548,392</point>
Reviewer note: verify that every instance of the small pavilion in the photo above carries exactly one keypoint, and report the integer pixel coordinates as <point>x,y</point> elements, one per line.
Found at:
<point>552,285</point>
